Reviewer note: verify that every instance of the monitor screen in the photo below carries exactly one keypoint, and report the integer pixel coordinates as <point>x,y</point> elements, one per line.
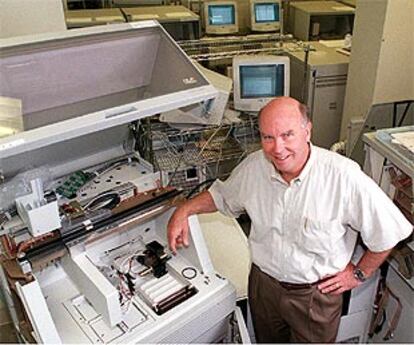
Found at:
<point>262,81</point>
<point>221,15</point>
<point>266,12</point>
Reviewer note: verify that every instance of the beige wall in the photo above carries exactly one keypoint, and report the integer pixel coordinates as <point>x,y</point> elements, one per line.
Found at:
<point>383,48</point>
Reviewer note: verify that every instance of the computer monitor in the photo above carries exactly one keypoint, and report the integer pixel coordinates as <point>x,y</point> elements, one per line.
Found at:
<point>207,113</point>
<point>265,15</point>
<point>258,79</point>
<point>220,17</point>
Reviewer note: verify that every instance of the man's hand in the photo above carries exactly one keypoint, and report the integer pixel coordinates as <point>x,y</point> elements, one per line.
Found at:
<point>177,230</point>
<point>346,280</point>
<point>340,282</point>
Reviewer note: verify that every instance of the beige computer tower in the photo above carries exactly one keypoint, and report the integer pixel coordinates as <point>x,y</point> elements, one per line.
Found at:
<point>321,86</point>
<point>314,20</point>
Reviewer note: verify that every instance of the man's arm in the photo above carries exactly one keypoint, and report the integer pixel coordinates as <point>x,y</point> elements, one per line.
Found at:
<point>177,229</point>
<point>346,280</point>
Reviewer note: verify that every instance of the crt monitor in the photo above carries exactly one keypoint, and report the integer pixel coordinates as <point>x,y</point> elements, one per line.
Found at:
<point>265,15</point>
<point>220,17</point>
<point>258,79</point>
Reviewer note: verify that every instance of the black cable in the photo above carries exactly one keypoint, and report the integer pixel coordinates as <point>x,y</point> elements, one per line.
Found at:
<point>196,188</point>
<point>407,106</point>
<point>108,201</point>
<point>394,114</point>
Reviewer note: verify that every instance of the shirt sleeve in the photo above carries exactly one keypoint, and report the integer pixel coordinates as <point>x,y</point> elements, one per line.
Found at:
<point>374,214</point>
<point>228,196</point>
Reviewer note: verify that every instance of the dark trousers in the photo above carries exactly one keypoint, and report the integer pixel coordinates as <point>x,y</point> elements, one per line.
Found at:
<point>298,315</point>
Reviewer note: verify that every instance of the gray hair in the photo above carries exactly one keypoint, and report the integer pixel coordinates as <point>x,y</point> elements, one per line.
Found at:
<point>304,111</point>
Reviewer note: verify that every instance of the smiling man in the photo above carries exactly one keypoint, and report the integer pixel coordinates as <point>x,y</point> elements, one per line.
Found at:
<point>307,206</point>
<point>286,137</point>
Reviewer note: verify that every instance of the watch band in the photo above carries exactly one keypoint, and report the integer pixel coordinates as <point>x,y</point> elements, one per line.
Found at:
<point>359,275</point>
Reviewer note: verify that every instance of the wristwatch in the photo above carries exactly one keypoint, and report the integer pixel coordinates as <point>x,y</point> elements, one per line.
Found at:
<point>359,275</point>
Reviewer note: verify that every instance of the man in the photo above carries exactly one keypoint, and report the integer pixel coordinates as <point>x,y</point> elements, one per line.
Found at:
<point>307,206</point>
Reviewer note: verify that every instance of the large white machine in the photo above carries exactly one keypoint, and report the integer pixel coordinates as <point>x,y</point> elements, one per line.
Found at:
<point>389,160</point>
<point>83,218</point>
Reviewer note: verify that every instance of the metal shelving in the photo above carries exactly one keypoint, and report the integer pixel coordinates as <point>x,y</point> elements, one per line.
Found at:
<point>191,156</point>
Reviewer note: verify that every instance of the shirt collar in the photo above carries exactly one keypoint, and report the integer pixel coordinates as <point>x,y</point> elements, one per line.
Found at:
<point>275,175</point>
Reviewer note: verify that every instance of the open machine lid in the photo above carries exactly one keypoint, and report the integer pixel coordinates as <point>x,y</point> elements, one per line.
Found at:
<point>83,83</point>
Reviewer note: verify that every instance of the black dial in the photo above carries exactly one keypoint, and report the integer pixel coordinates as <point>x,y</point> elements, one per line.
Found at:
<point>359,275</point>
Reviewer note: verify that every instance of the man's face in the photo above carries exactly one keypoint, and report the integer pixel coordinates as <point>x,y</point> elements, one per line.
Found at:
<point>285,137</point>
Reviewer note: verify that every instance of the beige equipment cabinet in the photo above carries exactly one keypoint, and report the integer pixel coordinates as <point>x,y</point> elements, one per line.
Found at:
<point>321,86</point>
<point>132,3</point>
<point>193,5</point>
<point>84,18</point>
<point>314,20</point>
<point>179,21</point>
<point>351,3</point>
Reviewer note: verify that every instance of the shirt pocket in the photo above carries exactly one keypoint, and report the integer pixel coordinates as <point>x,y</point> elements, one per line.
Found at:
<point>320,236</point>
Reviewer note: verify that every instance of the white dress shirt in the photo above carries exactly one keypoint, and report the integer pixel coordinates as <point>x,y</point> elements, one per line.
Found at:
<point>307,229</point>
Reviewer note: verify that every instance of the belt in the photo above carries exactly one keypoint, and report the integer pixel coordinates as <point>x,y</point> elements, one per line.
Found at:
<point>285,285</point>
<point>293,286</point>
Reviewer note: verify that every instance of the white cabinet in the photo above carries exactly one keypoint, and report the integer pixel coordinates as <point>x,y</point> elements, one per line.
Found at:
<point>388,161</point>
